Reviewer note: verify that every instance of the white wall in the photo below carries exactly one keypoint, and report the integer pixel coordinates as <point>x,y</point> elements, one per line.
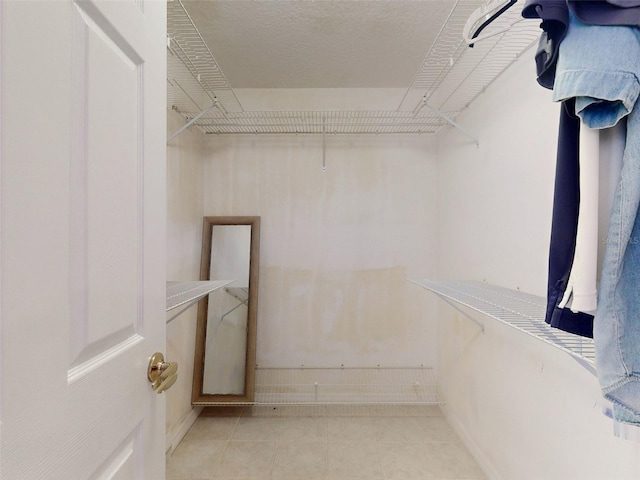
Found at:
<point>494,201</point>
<point>529,411</point>
<point>338,247</point>
<point>184,243</point>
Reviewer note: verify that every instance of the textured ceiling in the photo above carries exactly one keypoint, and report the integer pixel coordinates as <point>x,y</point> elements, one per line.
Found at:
<point>329,66</point>
<point>319,44</point>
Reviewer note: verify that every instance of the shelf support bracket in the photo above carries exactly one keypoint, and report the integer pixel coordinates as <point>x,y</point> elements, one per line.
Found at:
<point>324,161</point>
<point>465,314</point>
<point>193,120</point>
<point>448,120</point>
<point>232,310</point>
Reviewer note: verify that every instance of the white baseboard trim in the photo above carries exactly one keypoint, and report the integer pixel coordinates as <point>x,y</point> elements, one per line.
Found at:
<point>475,450</point>
<point>178,431</point>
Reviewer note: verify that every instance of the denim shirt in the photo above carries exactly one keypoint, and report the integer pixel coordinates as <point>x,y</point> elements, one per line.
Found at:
<point>555,20</point>
<point>606,86</point>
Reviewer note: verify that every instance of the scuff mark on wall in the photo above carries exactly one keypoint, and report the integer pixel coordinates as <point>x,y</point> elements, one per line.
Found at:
<point>342,313</point>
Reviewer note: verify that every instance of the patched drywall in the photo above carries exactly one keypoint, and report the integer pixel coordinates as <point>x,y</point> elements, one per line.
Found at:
<point>337,313</point>
<point>337,248</point>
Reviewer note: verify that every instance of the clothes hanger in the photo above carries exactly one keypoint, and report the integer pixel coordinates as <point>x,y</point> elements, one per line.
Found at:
<point>483,17</point>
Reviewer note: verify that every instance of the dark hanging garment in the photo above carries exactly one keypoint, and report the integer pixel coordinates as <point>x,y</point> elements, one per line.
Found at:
<point>564,226</point>
<point>555,21</point>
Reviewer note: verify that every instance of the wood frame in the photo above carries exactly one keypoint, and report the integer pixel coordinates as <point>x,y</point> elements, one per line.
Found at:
<point>198,397</point>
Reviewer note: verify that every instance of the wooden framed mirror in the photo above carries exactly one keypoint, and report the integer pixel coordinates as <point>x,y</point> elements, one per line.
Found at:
<point>225,355</point>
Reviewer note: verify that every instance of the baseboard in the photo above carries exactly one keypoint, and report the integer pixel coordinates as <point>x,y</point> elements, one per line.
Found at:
<point>475,450</point>
<point>177,433</point>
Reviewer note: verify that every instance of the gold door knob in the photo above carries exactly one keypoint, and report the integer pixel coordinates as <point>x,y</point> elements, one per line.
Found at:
<point>161,374</point>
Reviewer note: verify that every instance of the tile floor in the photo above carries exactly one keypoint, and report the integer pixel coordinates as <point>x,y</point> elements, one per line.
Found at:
<point>375,446</point>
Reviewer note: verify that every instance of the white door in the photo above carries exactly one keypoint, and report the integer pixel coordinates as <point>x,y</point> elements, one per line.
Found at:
<point>82,238</point>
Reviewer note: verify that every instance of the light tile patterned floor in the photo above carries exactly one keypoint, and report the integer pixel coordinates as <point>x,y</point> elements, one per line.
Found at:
<point>381,445</point>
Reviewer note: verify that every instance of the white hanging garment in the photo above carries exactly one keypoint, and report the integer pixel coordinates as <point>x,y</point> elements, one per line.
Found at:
<point>581,293</point>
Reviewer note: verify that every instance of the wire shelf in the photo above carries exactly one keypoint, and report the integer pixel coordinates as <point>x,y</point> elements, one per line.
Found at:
<point>449,78</point>
<point>522,311</point>
<point>182,295</point>
<point>194,76</point>
<point>454,74</point>
<point>317,122</point>
<point>339,387</point>
<point>347,410</point>
<point>345,386</point>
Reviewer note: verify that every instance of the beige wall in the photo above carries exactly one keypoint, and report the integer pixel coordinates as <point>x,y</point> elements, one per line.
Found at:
<point>337,248</point>
<point>184,242</point>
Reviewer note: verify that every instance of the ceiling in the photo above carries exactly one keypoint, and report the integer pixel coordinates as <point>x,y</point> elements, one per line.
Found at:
<point>319,44</point>
<point>341,66</point>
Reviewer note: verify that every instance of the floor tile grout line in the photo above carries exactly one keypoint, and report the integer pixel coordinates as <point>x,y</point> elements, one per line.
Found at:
<point>273,460</point>
<point>326,450</point>
<point>378,449</point>
<point>224,450</point>
<point>279,440</point>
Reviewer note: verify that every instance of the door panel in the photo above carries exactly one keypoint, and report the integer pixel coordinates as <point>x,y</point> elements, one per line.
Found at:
<point>121,465</point>
<point>106,210</point>
<point>82,227</point>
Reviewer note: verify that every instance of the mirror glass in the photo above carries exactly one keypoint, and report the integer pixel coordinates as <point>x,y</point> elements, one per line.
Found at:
<point>225,339</point>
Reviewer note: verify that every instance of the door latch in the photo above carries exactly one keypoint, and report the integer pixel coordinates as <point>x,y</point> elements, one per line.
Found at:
<point>161,374</point>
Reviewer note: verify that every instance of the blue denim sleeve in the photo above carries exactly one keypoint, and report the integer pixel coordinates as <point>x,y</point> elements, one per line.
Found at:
<point>600,67</point>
